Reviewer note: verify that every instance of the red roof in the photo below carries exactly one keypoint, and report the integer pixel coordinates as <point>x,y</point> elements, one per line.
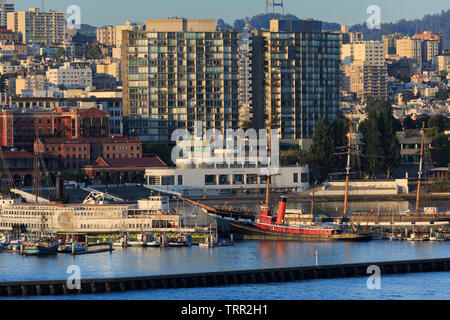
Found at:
<point>149,162</point>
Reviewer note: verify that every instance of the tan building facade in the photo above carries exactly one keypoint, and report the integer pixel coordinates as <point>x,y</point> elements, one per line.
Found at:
<point>37,27</point>
<point>107,36</point>
<point>410,48</point>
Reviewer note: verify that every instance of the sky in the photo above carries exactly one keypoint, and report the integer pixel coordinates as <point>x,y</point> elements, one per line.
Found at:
<point>114,12</point>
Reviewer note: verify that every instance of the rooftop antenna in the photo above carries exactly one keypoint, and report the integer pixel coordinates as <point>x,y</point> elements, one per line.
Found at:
<point>272,4</point>
<point>42,6</point>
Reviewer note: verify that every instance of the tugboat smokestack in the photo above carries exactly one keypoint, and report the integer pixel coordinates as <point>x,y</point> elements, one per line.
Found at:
<point>281,210</point>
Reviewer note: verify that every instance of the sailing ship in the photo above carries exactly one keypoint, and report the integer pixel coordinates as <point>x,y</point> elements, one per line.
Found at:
<point>267,225</point>
<point>45,243</point>
<point>415,216</point>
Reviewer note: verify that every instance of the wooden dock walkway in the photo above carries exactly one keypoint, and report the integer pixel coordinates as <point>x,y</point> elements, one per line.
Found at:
<point>221,278</point>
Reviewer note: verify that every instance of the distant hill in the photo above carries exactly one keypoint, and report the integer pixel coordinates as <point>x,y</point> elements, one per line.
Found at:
<point>262,21</point>
<point>439,22</point>
<point>88,30</point>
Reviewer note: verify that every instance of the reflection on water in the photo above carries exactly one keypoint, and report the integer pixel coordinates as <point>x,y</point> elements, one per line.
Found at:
<point>244,255</point>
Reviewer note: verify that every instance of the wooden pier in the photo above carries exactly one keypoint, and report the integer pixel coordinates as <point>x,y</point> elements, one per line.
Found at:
<point>221,278</point>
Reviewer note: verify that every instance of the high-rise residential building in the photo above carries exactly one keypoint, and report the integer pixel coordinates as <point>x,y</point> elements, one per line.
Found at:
<point>128,26</point>
<point>370,51</point>
<point>365,69</point>
<point>176,72</point>
<point>5,7</point>
<point>296,77</point>
<point>245,67</point>
<point>390,43</point>
<point>431,47</point>
<point>410,48</point>
<point>39,27</point>
<point>349,37</point>
<point>107,36</point>
<point>365,80</point>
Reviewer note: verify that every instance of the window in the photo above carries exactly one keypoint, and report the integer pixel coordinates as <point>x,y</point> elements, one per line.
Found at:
<point>210,180</point>
<point>168,180</point>
<point>153,180</point>
<point>224,179</point>
<point>180,180</point>
<point>305,177</point>
<point>238,178</point>
<point>252,179</point>
<point>295,177</point>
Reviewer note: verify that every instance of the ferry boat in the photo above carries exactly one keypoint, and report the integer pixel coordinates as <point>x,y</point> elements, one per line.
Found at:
<point>95,215</point>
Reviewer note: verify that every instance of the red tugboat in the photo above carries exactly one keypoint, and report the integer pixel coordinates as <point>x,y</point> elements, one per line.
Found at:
<point>266,226</point>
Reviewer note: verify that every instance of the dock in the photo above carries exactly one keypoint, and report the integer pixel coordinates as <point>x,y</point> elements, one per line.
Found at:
<point>221,278</point>
<point>100,247</point>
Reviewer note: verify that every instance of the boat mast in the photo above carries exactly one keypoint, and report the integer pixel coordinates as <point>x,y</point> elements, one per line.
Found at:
<point>348,165</point>
<point>36,170</point>
<point>269,146</point>
<point>420,169</point>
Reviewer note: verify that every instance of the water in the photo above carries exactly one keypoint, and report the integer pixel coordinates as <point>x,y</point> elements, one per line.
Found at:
<point>246,255</point>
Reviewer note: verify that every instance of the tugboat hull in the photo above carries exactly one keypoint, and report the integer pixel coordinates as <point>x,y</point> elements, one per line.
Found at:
<point>252,232</point>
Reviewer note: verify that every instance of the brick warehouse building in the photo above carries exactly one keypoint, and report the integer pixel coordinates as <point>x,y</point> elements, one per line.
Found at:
<point>75,153</point>
<point>20,127</point>
<point>20,165</point>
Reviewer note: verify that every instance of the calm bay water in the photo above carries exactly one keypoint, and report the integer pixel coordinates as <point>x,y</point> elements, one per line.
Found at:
<point>246,255</point>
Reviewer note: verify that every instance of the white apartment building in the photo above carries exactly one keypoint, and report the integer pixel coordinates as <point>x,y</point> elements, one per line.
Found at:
<point>71,76</point>
<point>372,52</point>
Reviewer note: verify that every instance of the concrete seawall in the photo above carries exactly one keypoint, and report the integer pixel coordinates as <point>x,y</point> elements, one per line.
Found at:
<point>221,278</point>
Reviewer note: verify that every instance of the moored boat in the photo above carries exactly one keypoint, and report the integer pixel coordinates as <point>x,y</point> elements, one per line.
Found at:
<point>41,247</point>
<point>182,240</point>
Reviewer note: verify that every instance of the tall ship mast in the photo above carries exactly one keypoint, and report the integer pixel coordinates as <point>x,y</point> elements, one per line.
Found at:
<point>420,169</point>
<point>284,225</point>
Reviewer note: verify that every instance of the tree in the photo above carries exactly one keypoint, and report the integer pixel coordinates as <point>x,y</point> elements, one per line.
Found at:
<point>321,155</point>
<point>3,83</point>
<point>61,52</point>
<point>440,151</point>
<point>164,151</point>
<point>441,95</point>
<point>381,148</point>
<point>62,87</point>
<point>407,96</point>
<point>292,156</point>
<point>246,125</point>
<point>440,122</point>
<point>443,74</point>
<point>408,123</point>
<point>94,53</point>
<point>339,129</point>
